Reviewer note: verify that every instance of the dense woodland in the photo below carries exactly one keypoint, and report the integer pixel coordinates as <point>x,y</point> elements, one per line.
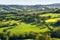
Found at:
<point>42,24</point>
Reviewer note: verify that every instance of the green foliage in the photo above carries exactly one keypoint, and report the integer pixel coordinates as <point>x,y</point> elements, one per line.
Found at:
<point>29,24</point>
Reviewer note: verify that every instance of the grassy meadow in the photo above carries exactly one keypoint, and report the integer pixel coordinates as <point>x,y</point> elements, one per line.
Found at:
<point>33,25</point>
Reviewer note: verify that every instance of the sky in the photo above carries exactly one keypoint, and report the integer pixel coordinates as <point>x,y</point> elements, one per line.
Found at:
<point>28,2</point>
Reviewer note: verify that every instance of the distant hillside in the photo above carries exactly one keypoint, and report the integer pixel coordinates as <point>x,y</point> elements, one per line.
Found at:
<point>29,7</point>
<point>56,4</point>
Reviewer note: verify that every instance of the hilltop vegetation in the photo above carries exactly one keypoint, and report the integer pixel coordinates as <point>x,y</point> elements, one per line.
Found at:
<point>29,7</point>
<point>41,24</point>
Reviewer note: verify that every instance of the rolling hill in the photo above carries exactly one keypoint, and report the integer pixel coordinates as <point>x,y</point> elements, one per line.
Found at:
<point>29,7</point>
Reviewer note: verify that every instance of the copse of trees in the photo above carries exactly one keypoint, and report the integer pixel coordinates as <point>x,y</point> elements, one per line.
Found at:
<point>56,33</point>
<point>13,19</point>
<point>57,11</point>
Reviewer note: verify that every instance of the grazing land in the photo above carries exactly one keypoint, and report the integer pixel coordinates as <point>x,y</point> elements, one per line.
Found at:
<point>29,22</point>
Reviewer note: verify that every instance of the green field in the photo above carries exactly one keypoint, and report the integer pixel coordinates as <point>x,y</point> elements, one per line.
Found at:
<point>52,15</point>
<point>24,28</point>
<point>31,25</point>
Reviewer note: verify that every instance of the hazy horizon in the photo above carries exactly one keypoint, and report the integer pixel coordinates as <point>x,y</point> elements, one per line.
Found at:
<point>28,2</point>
